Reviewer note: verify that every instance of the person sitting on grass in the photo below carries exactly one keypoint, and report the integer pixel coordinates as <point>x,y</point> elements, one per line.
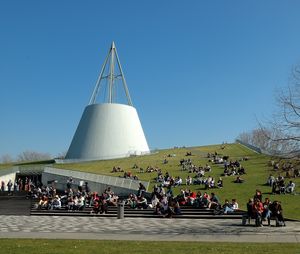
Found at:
<point>178,181</point>
<point>290,187</point>
<point>271,180</point>
<point>188,180</point>
<point>238,180</point>
<point>241,170</point>
<point>258,195</point>
<point>220,183</point>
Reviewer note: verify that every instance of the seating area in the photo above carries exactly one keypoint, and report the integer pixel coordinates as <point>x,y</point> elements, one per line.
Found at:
<point>187,212</point>
<point>165,201</point>
<point>248,220</point>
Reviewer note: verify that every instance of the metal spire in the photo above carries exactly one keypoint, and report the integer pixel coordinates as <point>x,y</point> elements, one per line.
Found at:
<point>112,58</point>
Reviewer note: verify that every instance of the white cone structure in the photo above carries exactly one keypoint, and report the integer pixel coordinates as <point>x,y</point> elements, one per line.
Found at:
<point>108,130</point>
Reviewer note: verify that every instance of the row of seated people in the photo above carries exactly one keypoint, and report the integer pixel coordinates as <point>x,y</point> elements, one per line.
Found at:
<point>279,186</point>
<point>149,169</point>
<point>116,169</point>
<point>232,164</point>
<point>187,164</point>
<point>71,200</point>
<point>165,204</point>
<point>74,202</point>
<point>217,158</point>
<point>208,182</point>
<point>129,175</point>
<point>167,179</point>
<point>199,170</point>
<point>234,171</point>
<point>263,210</point>
<point>191,198</point>
<point>287,167</point>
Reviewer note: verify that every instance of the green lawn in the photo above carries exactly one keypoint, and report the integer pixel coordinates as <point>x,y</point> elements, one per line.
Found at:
<point>16,246</point>
<point>256,167</point>
<point>5,166</point>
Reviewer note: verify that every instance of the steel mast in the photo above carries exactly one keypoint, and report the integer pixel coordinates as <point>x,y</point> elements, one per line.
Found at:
<point>113,58</point>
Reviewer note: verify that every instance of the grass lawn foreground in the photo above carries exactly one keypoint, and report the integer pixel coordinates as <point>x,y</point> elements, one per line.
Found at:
<point>20,246</point>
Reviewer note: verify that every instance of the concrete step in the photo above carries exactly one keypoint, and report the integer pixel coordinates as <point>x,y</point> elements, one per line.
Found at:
<point>13,194</point>
<point>182,216</point>
<point>14,206</point>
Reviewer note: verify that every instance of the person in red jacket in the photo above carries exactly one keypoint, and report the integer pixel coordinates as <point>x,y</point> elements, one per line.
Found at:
<point>258,210</point>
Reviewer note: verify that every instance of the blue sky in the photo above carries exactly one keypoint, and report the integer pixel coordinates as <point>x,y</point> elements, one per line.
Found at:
<point>199,72</point>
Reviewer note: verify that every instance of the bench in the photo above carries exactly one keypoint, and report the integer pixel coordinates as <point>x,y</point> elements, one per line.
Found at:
<point>257,222</point>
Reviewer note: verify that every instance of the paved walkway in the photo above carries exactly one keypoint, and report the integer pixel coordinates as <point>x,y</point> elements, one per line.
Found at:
<point>143,229</point>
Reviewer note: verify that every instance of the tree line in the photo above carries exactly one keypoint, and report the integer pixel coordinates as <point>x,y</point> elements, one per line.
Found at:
<point>281,134</point>
<point>27,156</point>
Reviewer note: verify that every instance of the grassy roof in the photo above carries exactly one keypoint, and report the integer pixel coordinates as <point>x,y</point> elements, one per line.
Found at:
<point>257,169</point>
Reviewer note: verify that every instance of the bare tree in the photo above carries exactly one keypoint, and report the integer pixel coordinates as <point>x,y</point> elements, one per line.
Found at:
<point>259,138</point>
<point>6,158</point>
<point>283,130</point>
<point>61,155</point>
<point>33,156</point>
<point>245,137</point>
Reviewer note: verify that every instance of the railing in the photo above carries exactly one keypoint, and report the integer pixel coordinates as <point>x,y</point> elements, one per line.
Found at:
<point>129,154</point>
<point>254,148</point>
<point>102,179</point>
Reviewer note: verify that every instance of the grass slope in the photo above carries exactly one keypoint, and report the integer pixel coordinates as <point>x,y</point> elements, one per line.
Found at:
<point>256,167</point>
<point>6,165</point>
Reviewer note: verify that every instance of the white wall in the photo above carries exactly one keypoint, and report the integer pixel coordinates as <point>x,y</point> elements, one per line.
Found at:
<point>6,178</point>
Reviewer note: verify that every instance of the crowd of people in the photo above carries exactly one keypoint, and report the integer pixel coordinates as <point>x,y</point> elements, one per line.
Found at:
<point>279,185</point>
<point>20,184</point>
<point>262,210</point>
<point>163,202</point>
<point>74,198</point>
<point>162,199</point>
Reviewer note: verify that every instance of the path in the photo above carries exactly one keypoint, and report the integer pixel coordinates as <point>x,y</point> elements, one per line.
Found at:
<point>228,230</point>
